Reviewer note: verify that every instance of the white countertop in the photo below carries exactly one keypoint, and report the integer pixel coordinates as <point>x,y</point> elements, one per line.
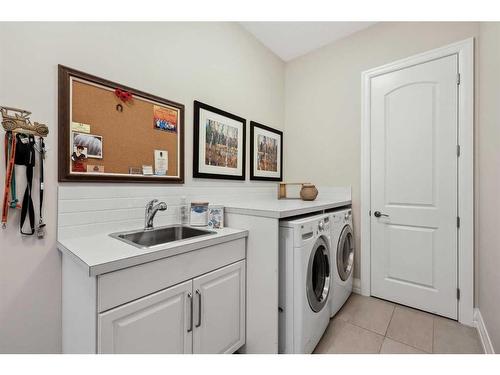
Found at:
<point>88,242</point>
<point>100,253</point>
<point>281,208</point>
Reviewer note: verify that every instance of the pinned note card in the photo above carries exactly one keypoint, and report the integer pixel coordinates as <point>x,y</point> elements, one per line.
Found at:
<point>161,162</point>
<point>80,127</point>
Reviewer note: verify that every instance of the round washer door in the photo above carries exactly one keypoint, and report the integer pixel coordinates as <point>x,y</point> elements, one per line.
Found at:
<point>318,275</point>
<point>345,253</point>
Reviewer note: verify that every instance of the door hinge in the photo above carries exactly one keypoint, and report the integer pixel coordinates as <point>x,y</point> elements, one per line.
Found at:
<point>458,221</point>
<point>458,79</point>
<point>458,293</point>
<point>458,150</point>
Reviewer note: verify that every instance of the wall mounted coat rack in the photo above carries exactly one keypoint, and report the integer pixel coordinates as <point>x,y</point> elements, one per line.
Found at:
<point>20,147</point>
<point>17,121</point>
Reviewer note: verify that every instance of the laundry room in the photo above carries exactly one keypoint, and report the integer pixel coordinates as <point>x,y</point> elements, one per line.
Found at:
<point>229,184</point>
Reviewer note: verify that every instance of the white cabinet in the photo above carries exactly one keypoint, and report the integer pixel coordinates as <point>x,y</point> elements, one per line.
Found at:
<point>202,315</point>
<point>158,323</point>
<point>219,311</point>
<point>192,302</point>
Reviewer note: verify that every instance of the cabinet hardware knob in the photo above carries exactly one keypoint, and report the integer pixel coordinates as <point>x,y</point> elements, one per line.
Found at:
<point>190,298</point>
<point>199,308</point>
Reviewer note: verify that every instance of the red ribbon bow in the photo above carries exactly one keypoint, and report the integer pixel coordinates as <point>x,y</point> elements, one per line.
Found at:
<point>125,96</point>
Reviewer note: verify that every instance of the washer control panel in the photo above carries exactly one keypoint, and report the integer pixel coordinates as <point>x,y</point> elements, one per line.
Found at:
<point>308,230</point>
<point>324,225</point>
<point>347,215</point>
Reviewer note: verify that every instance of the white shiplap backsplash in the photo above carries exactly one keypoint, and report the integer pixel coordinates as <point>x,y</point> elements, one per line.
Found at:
<point>112,207</point>
<point>90,207</point>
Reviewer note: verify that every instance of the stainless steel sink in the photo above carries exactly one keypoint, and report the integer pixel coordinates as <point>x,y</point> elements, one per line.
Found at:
<point>158,236</point>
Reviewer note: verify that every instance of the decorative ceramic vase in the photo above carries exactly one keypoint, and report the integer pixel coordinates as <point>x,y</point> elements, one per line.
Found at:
<point>308,192</point>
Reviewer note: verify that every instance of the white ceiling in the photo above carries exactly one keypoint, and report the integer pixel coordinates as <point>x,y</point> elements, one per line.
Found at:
<point>289,40</point>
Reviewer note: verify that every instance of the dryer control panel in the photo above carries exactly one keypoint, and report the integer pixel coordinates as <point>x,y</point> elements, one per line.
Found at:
<point>345,215</point>
<point>307,228</point>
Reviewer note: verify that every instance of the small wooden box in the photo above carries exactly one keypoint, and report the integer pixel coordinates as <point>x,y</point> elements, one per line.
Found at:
<point>284,193</point>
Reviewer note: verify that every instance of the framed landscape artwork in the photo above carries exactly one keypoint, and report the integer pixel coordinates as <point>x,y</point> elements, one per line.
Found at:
<point>266,153</point>
<point>219,143</point>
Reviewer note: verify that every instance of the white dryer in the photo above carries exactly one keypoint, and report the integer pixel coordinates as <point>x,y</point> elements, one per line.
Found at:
<point>342,256</point>
<point>304,282</point>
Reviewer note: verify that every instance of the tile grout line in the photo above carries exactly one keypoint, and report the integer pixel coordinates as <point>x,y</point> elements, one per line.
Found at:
<point>390,320</point>
<point>411,346</point>
<point>387,328</point>
<point>367,330</point>
<point>435,319</point>
<point>357,325</point>
<point>404,343</point>
<point>432,342</point>
<point>338,316</point>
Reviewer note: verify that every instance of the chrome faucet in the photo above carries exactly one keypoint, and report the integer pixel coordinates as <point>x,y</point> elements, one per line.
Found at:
<point>151,209</point>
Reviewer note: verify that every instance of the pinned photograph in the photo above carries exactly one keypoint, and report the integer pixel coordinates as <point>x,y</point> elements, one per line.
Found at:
<point>165,119</point>
<point>95,168</point>
<point>93,144</point>
<point>79,153</point>
<point>78,158</point>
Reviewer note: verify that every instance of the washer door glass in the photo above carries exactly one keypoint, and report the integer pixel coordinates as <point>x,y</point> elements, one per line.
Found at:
<point>345,253</point>
<point>318,275</point>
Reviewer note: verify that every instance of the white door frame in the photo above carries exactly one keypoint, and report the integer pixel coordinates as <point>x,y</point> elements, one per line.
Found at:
<point>465,51</point>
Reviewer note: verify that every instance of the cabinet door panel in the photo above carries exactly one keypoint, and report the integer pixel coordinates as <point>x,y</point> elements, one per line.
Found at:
<point>157,323</point>
<point>220,324</point>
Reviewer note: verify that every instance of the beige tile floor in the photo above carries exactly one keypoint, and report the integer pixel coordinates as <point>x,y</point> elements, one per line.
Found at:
<point>371,325</point>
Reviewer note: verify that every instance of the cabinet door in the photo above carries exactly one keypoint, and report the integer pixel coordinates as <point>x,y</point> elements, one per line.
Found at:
<point>219,310</point>
<point>158,323</point>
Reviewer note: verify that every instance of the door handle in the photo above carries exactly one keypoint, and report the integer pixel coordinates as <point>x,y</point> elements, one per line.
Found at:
<point>190,298</point>
<point>199,308</point>
<point>379,214</point>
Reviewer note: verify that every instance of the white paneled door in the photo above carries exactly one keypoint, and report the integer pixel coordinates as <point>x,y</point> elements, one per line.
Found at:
<point>414,186</point>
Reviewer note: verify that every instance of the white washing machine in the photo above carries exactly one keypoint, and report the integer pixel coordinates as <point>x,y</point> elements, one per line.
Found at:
<point>342,256</point>
<point>304,282</point>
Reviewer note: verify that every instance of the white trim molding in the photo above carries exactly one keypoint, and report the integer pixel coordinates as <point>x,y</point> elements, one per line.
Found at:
<point>356,286</point>
<point>465,52</point>
<point>483,332</point>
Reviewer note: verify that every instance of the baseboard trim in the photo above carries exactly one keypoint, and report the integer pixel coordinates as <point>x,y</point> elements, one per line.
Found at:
<point>356,286</point>
<point>483,333</point>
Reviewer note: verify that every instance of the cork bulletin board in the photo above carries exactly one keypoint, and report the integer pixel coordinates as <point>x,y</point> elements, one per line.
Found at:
<point>110,132</point>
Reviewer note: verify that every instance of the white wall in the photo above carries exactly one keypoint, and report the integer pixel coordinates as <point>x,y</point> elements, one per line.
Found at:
<point>217,63</point>
<point>489,179</point>
<point>221,64</point>
<point>323,100</point>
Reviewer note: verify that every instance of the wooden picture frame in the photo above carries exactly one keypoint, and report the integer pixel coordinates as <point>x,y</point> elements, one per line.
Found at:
<point>276,135</point>
<point>231,124</point>
<point>66,77</point>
